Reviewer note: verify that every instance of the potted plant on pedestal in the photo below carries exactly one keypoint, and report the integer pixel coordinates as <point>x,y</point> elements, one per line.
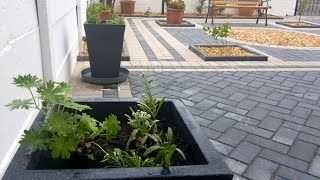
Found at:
<point>175,11</point>
<point>127,6</point>
<point>105,42</point>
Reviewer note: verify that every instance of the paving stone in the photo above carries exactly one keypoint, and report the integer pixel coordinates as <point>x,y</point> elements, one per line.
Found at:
<point>245,152</point>
<point>235,166</point>
<point>229,108</point>
<point>232,137</point>
<point>285,136</point>
<point>312,96</point>
<point>289,173</point>
<point>269,144</point>
<point>221,148</point>
<point>215,79</point>
<point>302,128</point>
<point>274,108</point>
<point>270,123</point>
<point>194,111</point>
<point>237,97</point>
<point>253,130</point>
<point>213,113</point>
<point>212,134</point>
<point>275,96</point>
<point>237,177</point>
<point>222,124</point>
<point>222,100</point>
<point>287,103</point>
<point>303,150</point>
<point>315,166</point>
<point>258,113</point>
<point>284,160</point>
<point>261,169</point>
<point>287,117</point>
<point>205,105</point>
<point>241,118</point>
<point>313,121</point>
<point>301,112</point>
<point>198,97</point>
<point>247,104</point>
<point>256,84</point>
<point>309,138</point>
<point>202,121</point>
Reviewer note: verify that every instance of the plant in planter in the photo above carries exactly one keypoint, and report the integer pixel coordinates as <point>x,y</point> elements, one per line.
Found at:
<point>200,7</point>
<point>222,51</point>
<point>105,43</point>
<point>175,11</point>
<point>127,6</point>
<point>78,140</point>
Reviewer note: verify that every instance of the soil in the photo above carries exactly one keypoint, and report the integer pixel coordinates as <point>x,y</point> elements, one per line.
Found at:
<point>225,51</point>
<point>298,24</point>
<point>44,160</point>
<point>183,22</point>
<point>275,37</point>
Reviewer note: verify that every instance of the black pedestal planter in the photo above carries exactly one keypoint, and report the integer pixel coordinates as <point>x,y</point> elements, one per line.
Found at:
<point>207,162</point>
<point>105,43</point>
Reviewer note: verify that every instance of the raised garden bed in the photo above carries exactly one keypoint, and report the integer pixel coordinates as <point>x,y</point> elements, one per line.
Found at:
<point>299,25</point>
<point>226,53</point>
<point>203,161</point>
<point>163,23</point>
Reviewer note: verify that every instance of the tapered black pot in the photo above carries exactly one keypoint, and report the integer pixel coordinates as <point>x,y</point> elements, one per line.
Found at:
<point>105,42</point>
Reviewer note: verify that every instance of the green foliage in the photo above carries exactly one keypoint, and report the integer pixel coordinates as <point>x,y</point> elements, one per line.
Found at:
<point>20,104</point>
<point>94,11</point>
<point>304,4</point>
<point>165,150</point>
<point>36,139</point>
<point>121,159</point>
<point>62,146</point>
<point>111,125</point>
<point>200,7</point>
<point>218,32</point>
<point>115,20</point>
<point>176,4</point>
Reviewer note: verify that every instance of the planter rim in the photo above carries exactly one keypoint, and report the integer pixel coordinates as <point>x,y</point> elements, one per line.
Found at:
<point>172,9</point>
<point>215,167</point>
<point>109,10</point>
<point>129,2</point>
<point>102,24</point>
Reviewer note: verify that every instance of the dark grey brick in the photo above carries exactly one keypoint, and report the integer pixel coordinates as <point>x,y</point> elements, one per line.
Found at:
<point>247,104</point>
<point>237,97</point>
<point>229,108</point>
<point>261,169</point>
<point>275,96</point>
<point>312,96</point>
<point>241,118</point>
<point>232,137</point>
<point>213,113</point>
<point>309,138</point>
<point>287,117</point>
<point>268,143</point>
<point>301,112</point>
<point>303,150</point>
<point>274,108</point>
<point>253,130</point>
<point>222,100</point>
<point>315,166</point>
<point>314,121</point>
<point>245,152</point>
<point>289,173</point>
<point>256,84</point>
<point>265,90</point>
<point>202,121</point>
<point>212,134</point>
<point>222,124</point>
<point>198,97</point>
<point>221,148</point>
<point>235,166</point>
<point>263,100</point>
<point>284,160</point>
<point>215,79</point>
<point>204,105</point>
<point>285,136</point>
<point>302,128</point>
<point>287,103</point>
<point>270,123</point>
<point>194,111</point>
<point>258,113</point>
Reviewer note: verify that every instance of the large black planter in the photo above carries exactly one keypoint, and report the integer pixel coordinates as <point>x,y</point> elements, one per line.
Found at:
<point>207,162</point>
<point>105,44</point>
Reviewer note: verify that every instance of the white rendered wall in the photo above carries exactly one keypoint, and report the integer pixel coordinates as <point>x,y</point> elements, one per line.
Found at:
<point>279,7</point>
<point>47,49</point>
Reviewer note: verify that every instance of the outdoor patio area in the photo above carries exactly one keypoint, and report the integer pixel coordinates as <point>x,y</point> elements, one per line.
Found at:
<point>262,116</point>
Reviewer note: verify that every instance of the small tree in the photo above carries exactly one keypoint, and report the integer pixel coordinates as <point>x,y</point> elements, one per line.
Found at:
<point>200,7</point>
<point>219,32</point>
<point>304,4</point>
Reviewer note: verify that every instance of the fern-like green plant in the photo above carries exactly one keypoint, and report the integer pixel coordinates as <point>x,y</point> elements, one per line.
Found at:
<point>219,32</point>
<point>111,126</point>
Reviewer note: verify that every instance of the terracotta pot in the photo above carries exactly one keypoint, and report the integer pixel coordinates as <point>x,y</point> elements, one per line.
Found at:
<point>127,7</point>
<point>105,15</point>
<point>174,16</point>
<point>246,11</point>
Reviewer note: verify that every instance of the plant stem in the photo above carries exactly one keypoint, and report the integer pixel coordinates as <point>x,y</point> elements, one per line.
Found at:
<point>99,147</point>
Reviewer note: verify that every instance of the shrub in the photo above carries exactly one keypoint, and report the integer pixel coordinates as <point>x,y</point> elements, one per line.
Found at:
<point>176,4</point>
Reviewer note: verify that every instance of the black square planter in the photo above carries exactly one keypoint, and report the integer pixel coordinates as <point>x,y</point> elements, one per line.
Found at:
<point>206,57</point>
<point>163,23</point>
<point>303,26</point>
<point>208,163</point>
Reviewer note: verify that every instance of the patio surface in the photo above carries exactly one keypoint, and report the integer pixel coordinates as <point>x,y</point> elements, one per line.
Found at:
<point>264,117</point>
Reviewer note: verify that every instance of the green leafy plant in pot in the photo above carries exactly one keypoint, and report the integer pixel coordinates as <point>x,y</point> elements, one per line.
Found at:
<point>175,11</point>
<point>105,42</point>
